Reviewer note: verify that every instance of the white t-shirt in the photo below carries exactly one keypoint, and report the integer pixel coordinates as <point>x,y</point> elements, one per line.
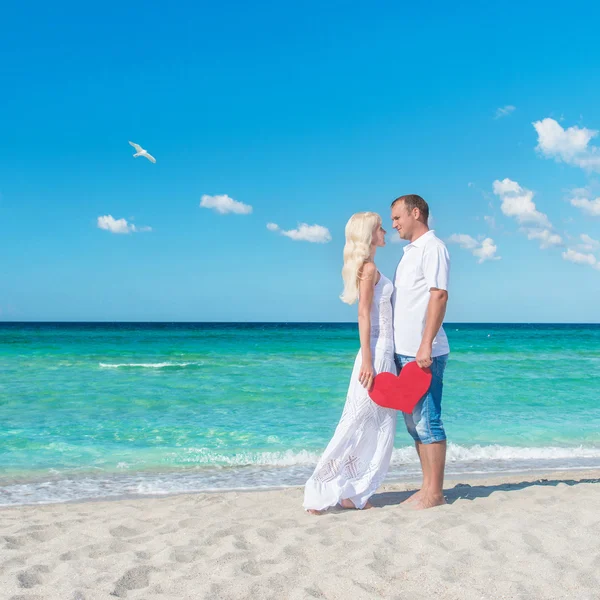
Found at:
<point>425,265</point>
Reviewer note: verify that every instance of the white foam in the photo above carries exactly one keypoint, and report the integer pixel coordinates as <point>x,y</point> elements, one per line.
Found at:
<point>458,453</point>
<point>265,470</point>
<point>400,456</point>
<point>204,456</point>
<point>160,365</point>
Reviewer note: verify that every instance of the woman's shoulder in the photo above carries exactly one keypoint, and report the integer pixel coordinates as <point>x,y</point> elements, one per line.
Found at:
<point>368,271</point>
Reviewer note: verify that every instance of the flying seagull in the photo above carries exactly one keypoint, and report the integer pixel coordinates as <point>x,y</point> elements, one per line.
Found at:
<point>141,152</point>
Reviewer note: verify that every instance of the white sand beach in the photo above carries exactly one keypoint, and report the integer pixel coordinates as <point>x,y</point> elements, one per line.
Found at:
<point>511,537</point>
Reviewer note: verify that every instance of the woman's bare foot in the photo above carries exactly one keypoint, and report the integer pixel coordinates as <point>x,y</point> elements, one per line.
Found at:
<point>312,511</point>
<point>345,503</point>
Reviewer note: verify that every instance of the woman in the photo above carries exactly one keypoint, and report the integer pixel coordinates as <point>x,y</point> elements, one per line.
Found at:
<point>357,458</point>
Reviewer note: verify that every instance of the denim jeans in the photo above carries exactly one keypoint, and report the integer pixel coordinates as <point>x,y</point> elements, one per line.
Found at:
<point>425,423</point>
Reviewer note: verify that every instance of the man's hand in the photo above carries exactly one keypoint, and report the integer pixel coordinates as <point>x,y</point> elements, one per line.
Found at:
<point>424,356</point>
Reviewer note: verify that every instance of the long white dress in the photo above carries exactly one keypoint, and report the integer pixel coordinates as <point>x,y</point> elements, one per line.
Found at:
<point>357,458</point>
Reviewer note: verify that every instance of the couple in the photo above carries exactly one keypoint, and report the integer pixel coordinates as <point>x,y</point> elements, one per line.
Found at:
<point>398,322</point>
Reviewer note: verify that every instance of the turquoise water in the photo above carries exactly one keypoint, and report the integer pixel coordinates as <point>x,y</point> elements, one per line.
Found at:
<point>99,410</point>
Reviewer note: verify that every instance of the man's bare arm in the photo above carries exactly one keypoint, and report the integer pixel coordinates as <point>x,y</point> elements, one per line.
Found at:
<point>436,309</point>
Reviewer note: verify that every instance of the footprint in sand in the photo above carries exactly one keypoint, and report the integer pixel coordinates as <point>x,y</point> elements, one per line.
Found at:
<point>250,567</point>
<point>183,554</point>
<point>122,531</point>
<point>314,592</point>
<point>533,542</point>
<point>13,542</point>
<point>268,534</point>
<point>240,543</point>
<point>133,579</point>
<point>32,576</point>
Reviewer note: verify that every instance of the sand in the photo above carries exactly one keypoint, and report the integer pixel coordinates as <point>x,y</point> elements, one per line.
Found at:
<point>503,537</point>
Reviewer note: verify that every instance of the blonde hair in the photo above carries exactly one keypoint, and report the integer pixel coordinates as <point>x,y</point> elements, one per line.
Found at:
<point>359,235</point>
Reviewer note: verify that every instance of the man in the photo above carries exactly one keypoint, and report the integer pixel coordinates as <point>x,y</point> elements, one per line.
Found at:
<point>419,301</point>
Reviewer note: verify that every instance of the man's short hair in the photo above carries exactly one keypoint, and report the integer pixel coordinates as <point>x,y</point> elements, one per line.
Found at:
<point>413,201</point>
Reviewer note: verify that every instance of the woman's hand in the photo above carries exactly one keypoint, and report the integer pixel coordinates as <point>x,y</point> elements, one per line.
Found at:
<point>366,375</point>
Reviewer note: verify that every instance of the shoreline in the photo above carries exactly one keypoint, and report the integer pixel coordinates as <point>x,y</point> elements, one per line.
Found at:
<point>534,537</point>
<point>533,477</point>
<point>410,482</point>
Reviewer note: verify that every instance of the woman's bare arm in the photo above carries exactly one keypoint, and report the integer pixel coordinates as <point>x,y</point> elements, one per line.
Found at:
<point>366,287</point>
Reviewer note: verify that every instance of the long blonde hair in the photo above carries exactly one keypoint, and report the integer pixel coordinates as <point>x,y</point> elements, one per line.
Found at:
<point>359,235</point>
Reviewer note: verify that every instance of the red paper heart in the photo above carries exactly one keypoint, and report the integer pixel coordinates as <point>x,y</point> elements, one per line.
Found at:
<point>401,392</point>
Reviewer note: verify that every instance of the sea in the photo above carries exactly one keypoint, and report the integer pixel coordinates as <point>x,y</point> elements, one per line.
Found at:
<point>113,410</point>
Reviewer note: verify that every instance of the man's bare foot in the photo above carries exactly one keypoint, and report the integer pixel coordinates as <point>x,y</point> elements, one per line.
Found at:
<point>429,501</point>
<point>345,503</point>
<point>414,498</point>
<point>312,511</point>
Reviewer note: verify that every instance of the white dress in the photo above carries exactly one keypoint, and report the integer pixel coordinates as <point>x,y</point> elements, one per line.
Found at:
<point>357,458</point>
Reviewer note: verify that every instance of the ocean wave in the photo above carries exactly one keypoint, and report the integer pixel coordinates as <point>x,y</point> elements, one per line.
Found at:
<point>211,471</point>
<point>400,456</point>
<point>158,365</point>
<point>206,457</point>
<point>458,453</point>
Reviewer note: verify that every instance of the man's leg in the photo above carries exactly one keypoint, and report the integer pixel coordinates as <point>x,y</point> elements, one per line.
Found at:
<point>419,493</point>
<point>410,421</point>
<point>418,449</point>
<point>426,427</point>
<point>433,461</point>
<point>430,429</point>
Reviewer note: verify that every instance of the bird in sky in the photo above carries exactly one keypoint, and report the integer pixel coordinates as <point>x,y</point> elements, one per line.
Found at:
<point>141,152</point>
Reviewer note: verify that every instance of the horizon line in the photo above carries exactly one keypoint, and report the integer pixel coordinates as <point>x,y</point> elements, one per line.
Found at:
<point>170,322</point>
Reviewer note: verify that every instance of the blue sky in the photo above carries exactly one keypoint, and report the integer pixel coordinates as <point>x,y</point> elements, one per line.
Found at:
<point>306,113</point>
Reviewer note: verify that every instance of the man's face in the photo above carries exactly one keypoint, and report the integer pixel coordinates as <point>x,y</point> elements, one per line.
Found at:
<point>403,221</point>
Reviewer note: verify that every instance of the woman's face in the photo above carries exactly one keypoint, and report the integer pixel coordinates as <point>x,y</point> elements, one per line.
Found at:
<point>378,236</point>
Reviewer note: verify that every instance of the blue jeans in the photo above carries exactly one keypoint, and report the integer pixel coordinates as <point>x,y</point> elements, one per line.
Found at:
<point>425,423</point>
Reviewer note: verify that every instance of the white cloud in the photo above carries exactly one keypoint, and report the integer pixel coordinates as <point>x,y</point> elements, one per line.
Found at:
<point>569,145</point>
<point>581,259</point>
<point>589,243</point>
<point>487,251</point>
<point>581,200</point>
<point>484,250</point>
<point>119,225</point>
<point>223,204</point>
<point>504,111</point>
<point>304,233</point>
<point>518,202</point>
<point>546,236</point>
<point>465,241</point>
